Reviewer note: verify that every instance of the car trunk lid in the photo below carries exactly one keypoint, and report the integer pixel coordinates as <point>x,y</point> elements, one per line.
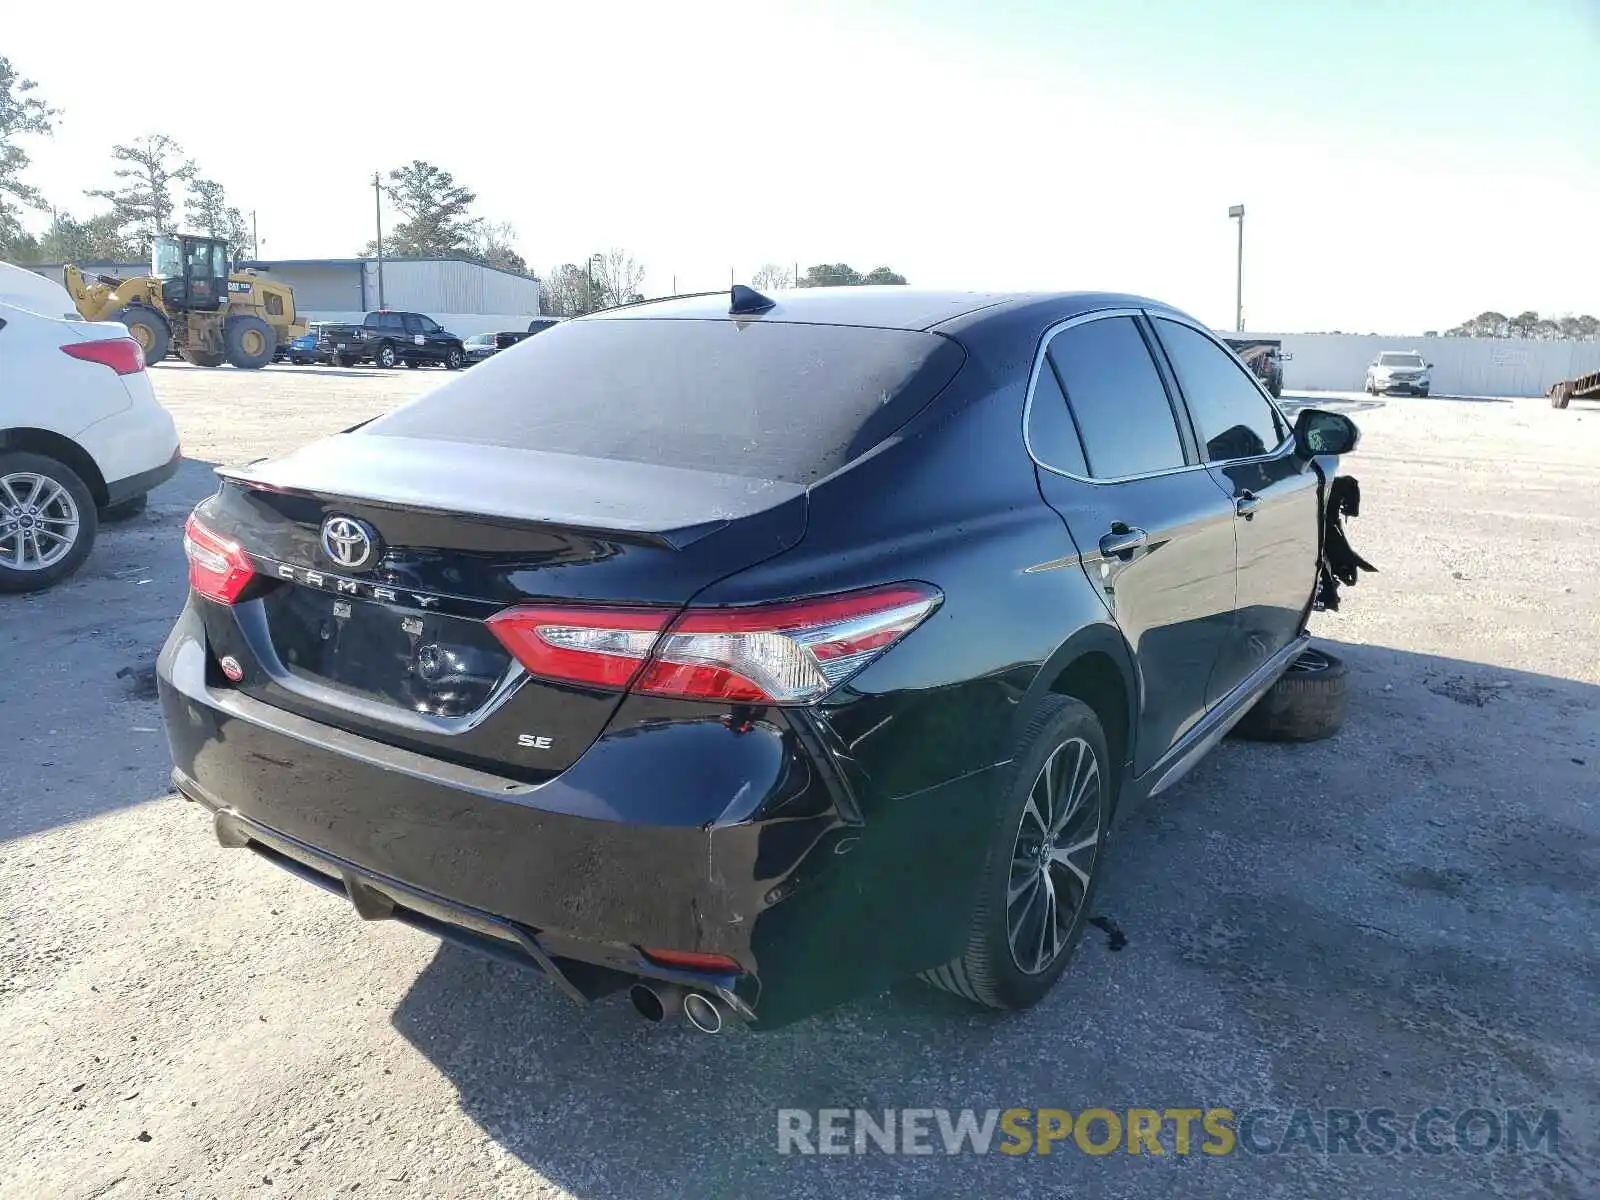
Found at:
<point>395,647</point>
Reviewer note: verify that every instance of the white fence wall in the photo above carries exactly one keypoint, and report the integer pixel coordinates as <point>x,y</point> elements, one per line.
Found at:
<point>1461,366</point>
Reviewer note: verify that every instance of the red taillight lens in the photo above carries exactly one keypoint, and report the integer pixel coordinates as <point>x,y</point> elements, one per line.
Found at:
<point>692,960</point>
<point>218,568</point>
<point>600,646</point>
<point>790,653</point>
<point>122,355</point>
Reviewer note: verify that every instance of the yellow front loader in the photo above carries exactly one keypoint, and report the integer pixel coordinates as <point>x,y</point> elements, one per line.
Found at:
<point>192,302</point>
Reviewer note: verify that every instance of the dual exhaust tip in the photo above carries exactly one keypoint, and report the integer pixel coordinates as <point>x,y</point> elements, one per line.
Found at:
<point>658,1001</point>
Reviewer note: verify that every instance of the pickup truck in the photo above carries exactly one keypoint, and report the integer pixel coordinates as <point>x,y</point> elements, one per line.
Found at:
<point>387,338</point>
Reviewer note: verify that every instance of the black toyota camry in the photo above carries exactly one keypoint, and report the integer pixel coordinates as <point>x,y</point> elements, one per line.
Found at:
<point>750,653</point>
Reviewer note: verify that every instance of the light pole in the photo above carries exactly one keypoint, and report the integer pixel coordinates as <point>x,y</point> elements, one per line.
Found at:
<point>594,258</point>
<point>377,205</point>
<point>255,236</point>
<point>1236,211</point>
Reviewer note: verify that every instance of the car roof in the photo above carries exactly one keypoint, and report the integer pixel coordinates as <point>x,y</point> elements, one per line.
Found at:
<point>886,306</point>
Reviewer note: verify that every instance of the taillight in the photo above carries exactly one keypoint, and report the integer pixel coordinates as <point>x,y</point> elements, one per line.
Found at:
<point>122,355</point>
<point>218,568</point>
<point>600,646</point>
<point>790,653</point>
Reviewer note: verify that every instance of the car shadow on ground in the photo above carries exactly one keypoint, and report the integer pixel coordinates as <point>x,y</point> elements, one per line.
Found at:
<point>1400,916</point>
<point>83,737</point>
<point>335,372</point>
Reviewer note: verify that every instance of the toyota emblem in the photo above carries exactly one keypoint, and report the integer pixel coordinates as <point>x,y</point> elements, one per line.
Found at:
<point>349,543</point>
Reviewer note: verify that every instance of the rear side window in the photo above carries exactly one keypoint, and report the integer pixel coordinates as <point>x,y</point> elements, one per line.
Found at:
<point>1231,416</point>
<point>1118,398</point>
<point>1052,436</point>
<point>759,399</point>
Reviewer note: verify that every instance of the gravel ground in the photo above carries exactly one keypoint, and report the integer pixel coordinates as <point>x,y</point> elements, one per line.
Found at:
<point>1401,917</point>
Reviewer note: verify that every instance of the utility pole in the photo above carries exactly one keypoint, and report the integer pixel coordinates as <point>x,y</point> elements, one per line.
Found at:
<point>1237,213</point>
<point>255,236</point>
<point>377,203</point>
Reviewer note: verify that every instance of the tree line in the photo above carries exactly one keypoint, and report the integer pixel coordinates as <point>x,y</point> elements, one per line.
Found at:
<point>1528,325</point>
<point>153,182</point>
<point>155,187</point>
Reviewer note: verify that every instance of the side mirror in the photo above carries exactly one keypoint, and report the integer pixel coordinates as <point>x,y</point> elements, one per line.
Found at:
<point>1429,366</point>
<point>1286,356</point>
<point>1317,431</point>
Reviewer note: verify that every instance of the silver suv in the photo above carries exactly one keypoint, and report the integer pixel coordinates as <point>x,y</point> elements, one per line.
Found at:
<point>1399,371</point>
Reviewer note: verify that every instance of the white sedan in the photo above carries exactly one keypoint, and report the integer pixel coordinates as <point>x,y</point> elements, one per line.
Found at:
<point>81,433</point>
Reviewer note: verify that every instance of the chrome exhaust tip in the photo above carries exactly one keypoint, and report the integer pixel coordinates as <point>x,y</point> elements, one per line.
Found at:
<point>656,1002</point>
<point>704,1013</point>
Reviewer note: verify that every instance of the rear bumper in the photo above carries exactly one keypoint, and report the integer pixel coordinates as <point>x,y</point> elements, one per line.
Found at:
<point>563,875</point>
<point>138,485</point>
<point>134,445</point>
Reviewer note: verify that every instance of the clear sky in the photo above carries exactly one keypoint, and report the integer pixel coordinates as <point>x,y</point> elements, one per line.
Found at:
<point>1404,165</point>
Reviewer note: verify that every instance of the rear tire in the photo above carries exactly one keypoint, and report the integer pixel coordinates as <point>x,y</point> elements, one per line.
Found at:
<point>1021,934</point>
<point>147,327</point>
<point>248,342</point>
<point>1307,704</point>
<point>57,504</point>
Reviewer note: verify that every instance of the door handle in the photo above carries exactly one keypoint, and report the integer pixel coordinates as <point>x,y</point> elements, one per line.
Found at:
<point>1122,541</point>
<point>1245,504</point>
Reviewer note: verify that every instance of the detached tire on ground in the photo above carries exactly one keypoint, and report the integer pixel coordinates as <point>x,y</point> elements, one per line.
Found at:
<point>147,327</point>
<point>1307,703</point>
<point>1561,395</point>
<point>1043,865</point>
<point>47,521</point>
<point>248,342</point>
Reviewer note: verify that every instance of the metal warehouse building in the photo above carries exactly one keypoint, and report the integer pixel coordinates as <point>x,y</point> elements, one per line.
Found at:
<point>466,297</point>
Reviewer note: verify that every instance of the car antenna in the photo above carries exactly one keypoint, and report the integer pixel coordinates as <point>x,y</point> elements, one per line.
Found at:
<point>745,300</point>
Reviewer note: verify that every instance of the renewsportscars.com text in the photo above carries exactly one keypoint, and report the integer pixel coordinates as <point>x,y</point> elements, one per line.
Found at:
<point>1167,1131</point>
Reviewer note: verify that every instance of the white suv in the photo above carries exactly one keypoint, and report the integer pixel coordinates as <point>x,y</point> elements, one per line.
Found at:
<point>82,435</point>
<point>1399,371</point>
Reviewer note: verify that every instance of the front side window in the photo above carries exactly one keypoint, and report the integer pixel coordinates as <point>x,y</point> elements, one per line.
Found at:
<point>426,325</point>
<point>1232,418</point>
<point>168,262</point>
<point>1118,398</point>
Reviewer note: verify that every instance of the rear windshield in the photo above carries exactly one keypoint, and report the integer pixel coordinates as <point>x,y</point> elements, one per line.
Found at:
<point>1399,360</point>
<point>764,400</point>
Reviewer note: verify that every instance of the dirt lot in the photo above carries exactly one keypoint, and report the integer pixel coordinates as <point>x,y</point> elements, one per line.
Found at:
<point>1402,917</point>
